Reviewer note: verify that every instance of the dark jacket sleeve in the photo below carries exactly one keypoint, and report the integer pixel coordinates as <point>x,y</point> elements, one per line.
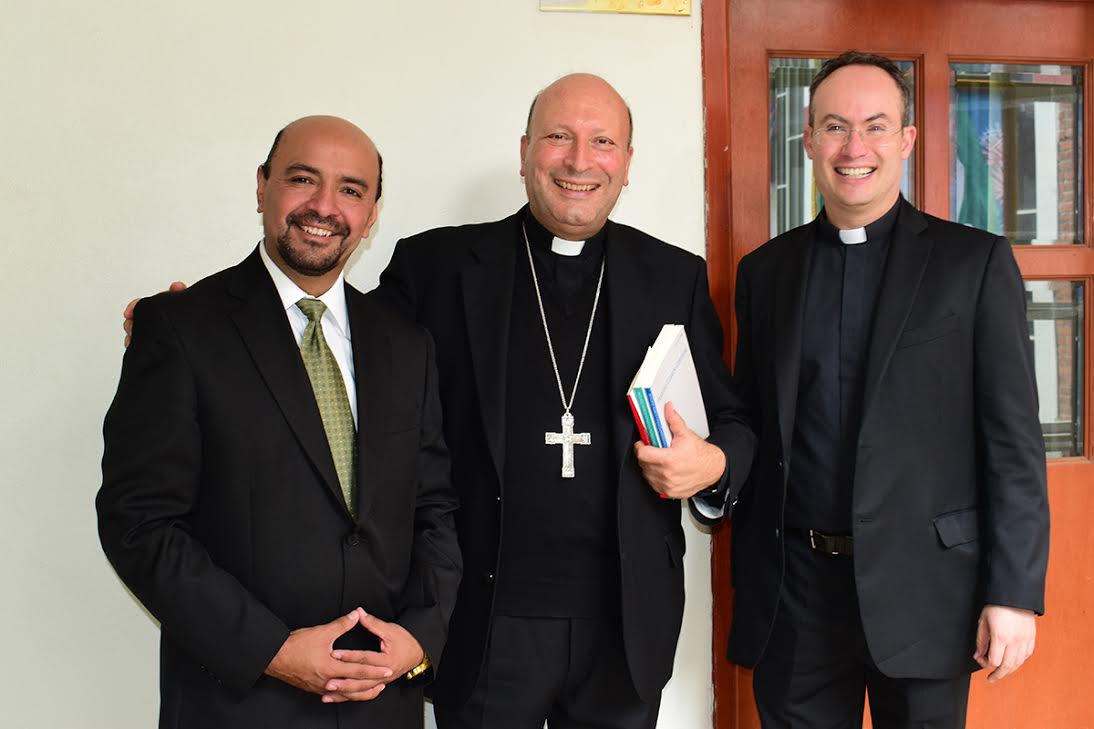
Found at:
<point>437,565</point>
<point>151,477</point>
<point>1009,437</point>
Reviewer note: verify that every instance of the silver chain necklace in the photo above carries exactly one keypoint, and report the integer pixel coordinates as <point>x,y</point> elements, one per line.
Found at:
<point>567,438</point>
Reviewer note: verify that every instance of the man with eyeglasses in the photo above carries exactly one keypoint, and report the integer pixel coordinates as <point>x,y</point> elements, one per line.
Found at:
<point>894,532</point>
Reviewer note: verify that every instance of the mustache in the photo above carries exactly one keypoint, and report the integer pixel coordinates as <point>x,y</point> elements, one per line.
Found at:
<point>317,220</point>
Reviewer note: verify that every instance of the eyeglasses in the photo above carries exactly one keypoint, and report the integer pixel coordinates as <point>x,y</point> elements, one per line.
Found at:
<point>874,134</point>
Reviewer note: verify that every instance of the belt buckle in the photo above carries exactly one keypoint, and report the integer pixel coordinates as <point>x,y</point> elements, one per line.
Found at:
<point>813,534</point>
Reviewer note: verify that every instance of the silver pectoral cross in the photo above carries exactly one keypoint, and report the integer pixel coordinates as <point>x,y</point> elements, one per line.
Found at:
<point>567,439</point>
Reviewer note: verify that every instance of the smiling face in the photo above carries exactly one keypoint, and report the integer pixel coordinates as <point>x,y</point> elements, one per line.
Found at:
<point>857,144</point>
<point>575,156</point>
<point>319,199</point>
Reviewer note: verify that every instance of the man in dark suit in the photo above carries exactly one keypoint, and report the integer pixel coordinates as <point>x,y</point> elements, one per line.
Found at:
<point>275,480</point>
<point>571,602</point>
<point>895,525</point>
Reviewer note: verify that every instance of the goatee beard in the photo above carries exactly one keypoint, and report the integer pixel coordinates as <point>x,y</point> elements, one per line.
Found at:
<point>296,260</point>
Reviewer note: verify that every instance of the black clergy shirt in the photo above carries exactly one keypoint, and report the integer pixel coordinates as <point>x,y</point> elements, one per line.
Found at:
<point>841,294</point>
<point>558,543</point>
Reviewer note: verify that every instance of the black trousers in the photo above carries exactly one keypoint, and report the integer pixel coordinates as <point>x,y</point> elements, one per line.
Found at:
<point>817,667</point>
<point>568,672</point>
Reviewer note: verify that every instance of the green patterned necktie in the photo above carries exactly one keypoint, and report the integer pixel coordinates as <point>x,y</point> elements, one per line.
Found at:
<point>330,396</point>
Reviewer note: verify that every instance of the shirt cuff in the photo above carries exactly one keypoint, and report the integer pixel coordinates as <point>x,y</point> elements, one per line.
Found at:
<point>713,508</point>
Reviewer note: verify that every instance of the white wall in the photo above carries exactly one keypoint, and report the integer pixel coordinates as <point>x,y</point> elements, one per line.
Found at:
<point>131,131</point>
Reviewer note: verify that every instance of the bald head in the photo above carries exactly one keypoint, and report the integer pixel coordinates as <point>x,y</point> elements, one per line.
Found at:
<point>586,82</point>
<point>575,155</point>
<point>327,126</point>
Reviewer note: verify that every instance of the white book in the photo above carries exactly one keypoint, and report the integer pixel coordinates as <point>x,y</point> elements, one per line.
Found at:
<point>667,375</point>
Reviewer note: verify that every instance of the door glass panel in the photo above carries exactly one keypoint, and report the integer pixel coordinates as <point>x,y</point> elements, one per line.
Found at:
<point>1055,313</point>
<point>1016,150</point>
<point>794,197</point>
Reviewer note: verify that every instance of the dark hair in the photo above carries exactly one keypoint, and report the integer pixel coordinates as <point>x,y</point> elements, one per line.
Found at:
<point>858,58</point>
<point>630,119</point>
<point>270,154</point>
<point>277,140</point>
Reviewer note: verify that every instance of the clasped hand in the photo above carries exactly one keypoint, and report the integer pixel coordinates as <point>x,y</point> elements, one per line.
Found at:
<point>307,659</point>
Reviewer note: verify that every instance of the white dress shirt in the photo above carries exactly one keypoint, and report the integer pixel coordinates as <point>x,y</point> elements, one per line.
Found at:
<point>335,320</point>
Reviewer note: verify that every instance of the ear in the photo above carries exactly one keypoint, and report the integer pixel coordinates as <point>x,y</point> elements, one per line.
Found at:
<point>260,191</point>
<point>364,234</point>
<point>907,142</point>
<point>627,167</point>
<point>807,136</point>
<point>523,151</point>
<point>371,221</point>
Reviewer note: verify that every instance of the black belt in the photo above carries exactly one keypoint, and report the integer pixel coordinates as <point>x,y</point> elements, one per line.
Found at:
<point>841,545</point>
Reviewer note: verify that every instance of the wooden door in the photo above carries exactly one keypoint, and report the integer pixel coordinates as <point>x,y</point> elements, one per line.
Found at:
<point>963,54</point>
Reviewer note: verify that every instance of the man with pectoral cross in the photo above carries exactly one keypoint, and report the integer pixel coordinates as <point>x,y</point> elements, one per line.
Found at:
<point>570,607</point>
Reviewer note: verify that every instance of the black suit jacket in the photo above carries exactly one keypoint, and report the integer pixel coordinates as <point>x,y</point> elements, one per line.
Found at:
<point>221,509</point>
<point>950,509</point>
<point>458,282</point>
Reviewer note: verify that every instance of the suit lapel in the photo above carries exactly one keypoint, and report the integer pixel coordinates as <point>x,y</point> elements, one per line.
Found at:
<point>373,355</point>
<point>904,267</point>
<point>633,324</point>
<point>265,331</point>
<point>792,273</point>
<point>487,281</point>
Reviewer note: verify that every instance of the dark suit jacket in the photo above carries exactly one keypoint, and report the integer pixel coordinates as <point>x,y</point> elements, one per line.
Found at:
<point>458,282</point>
<point>221,509</point>
<point>950,509</point>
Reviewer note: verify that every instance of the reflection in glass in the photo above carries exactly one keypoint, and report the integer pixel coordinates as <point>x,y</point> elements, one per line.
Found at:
<point>1016,150</point>
<point>794,197</point>
<point>1055,313</point>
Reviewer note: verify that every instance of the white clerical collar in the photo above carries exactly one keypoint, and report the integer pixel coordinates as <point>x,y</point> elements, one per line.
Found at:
<point>290,293</point>
<point>567,247</point>
<point>853,237</point>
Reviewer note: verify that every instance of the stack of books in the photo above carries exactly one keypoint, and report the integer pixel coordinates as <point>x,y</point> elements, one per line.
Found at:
<point>667,375</point>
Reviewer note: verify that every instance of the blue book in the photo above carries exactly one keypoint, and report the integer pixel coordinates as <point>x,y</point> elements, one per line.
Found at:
<point>662,441</point>
<point>643,407</point>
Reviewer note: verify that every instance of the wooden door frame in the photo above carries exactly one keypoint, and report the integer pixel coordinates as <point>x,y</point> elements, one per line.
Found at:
<point>728,240</point>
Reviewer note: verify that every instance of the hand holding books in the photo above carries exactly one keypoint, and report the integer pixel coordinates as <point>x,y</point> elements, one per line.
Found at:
<point>686,467</point>
<point>665,398</point>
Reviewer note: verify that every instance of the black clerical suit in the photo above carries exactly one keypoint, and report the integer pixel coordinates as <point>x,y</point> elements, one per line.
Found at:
<point>893,395</point>
<point>221,509</point>
<point>461,283</point>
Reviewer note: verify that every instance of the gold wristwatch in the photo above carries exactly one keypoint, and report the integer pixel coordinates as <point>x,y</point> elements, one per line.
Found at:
<point>419,674</point>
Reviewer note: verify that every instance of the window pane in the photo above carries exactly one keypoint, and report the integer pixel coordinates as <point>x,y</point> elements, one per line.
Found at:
<point>1016,150</point>
<point>794,198</point>
<point>1055,313</point>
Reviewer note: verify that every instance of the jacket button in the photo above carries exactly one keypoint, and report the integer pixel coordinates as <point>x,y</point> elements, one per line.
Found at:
<point>776,532</point>
<point>489,578</point>
<point>779,463</point>
<point>353,539</point>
